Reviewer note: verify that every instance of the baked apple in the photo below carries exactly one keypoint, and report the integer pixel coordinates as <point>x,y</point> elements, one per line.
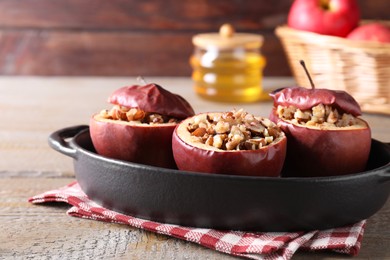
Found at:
<point>235,143</point>
<point>139,126</point>
<point>325,135</point>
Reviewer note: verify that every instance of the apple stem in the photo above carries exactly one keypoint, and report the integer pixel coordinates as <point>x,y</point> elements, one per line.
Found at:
<point>307,73</point>
<point>142,80</point>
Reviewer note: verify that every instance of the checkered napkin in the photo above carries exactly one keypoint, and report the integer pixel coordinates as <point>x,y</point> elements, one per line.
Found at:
<point>258,245</point>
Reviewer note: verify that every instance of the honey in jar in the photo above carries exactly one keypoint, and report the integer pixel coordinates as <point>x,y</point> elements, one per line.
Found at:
<point>228,66</point>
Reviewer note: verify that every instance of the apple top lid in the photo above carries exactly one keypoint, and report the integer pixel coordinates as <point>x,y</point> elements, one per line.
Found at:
<point>152,98</point>
<point>227,38</point>
<point>304,98</point>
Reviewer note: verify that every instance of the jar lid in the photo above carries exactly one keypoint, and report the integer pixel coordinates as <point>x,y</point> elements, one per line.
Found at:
<point>227,39</point>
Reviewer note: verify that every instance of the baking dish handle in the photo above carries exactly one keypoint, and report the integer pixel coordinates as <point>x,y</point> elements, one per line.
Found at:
<point>59,140</point>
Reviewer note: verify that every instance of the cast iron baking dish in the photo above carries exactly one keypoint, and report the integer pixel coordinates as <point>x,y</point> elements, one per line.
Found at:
<point>224,201</point>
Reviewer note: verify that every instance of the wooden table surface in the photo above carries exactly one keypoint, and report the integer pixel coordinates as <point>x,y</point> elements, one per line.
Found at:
<point>33,107</point>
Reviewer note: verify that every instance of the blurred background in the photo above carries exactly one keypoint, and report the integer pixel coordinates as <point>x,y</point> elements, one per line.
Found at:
<point>134,37</point>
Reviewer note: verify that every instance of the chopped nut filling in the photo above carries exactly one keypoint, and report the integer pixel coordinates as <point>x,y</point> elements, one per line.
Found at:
<point>134,114</point>
<point>235,130</point>
<point>320,115</point>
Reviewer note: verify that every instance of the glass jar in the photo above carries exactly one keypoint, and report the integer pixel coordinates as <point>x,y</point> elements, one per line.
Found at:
<point>228,66</point>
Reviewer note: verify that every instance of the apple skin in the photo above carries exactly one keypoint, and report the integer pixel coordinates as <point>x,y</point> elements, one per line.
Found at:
<point>324,152</point>
<point>139,143</point>
<point>304,98</point>
<point>371,32</point>
<point>152,98</point>
<point>338,19</point>
<point>267,161</point>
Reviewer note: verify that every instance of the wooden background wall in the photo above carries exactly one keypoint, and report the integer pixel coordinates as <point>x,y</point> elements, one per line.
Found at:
<point>133,37</point>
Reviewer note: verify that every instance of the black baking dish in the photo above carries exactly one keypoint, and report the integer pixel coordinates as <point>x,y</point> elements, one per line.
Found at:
<point>225,201</point>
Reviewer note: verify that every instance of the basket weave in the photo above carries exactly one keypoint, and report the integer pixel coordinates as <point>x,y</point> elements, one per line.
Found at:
<point>360,68</point>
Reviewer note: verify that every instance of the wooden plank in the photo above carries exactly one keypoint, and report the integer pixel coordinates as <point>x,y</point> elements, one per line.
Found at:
<point>144,15</point>
<point>141,14</point>
<point>119,37</point>
<point>93,53</point>
<point>35,52</point>
<point>53,103</point>
<point>42,231</point>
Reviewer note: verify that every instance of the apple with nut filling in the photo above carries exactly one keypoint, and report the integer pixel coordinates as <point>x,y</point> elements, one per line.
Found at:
<point>324,132</point>
<point>139,126</point>
<point>234,142</point>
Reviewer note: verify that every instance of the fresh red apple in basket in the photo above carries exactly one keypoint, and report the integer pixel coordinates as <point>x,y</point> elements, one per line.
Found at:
<point>139,126</point>
<point>234,142</point>
<point>325,135</point>
<point>371,32</point>
<point>329,17</point>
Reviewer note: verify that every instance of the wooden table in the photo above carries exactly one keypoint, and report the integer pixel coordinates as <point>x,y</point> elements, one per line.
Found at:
<point>33,107</point>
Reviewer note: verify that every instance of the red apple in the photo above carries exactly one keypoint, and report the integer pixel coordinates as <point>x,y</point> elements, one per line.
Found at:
<point>193,155</point>
<point>321,149</point>
<point>329,17</point>
<point>137,140</point>
<point>371,32</point>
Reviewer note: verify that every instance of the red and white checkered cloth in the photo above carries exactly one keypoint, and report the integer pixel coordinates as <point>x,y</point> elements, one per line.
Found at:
<point>255,245</point>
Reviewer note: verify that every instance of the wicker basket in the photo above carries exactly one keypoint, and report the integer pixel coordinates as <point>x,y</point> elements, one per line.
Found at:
<point>360,68</point>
